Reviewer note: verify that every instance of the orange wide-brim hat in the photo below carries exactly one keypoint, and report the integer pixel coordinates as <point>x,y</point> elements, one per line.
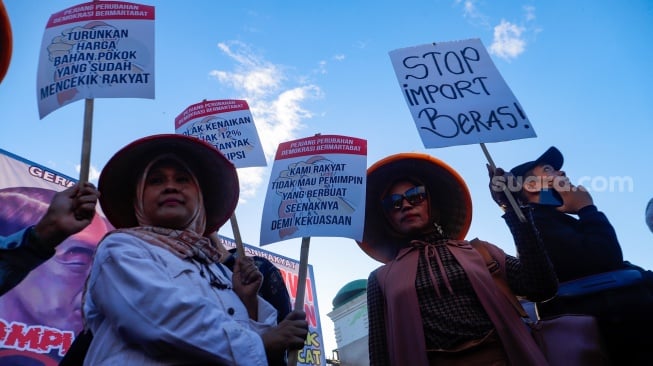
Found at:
<point>449,199</point>
<point>6,40</point>
<point>215,174</point>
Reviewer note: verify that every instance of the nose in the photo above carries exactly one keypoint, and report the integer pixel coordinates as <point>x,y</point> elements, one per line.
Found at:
<point>171,185</point>
<point>405,204</point>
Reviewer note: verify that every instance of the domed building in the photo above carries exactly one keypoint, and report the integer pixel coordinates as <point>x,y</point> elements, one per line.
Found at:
<point>349,317</point>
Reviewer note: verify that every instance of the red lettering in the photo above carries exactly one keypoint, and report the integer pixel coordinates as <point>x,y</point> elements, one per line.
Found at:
<point>53,338</point>
<point>37,339</point>
<point>21,339</point>
<point>309,290</point>
<point>291,282</point>
<point>311,318</point>
<point>3,331</point>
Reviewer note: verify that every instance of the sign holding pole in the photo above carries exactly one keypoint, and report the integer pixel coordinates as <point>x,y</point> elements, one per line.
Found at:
<point>313,351</point>
<point>87,138</point>
<point>317,188</point>
<point>301,288</point>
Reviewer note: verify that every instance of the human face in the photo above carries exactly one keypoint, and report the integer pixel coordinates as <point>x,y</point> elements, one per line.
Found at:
<point>407,218</point>
<point>51,294</point>
<point>545,177</point>
<point>170,196</point>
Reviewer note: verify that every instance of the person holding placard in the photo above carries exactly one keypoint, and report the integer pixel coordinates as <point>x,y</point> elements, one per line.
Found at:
<point>434,301</point>
<point>157,293</point>
<point>47,241</point>
<point>35,221</point>
<point>273,289</point>
<point>586,255</point>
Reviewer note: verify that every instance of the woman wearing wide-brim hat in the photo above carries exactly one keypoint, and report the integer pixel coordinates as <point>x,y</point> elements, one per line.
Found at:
<point>157,293</point>
<point>434,301</point>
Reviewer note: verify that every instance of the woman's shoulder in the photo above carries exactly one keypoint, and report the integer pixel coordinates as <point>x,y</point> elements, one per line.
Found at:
<point>121,241</point>
<point>119,236</point>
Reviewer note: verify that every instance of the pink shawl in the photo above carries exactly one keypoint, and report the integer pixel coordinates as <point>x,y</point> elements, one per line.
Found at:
<point>405,332</point>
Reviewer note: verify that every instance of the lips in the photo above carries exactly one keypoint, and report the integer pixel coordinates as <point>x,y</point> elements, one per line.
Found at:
<point>409,217</point>
<point>171,201</point>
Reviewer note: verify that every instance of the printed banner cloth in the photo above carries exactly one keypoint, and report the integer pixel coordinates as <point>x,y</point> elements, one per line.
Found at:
<point>313,351</point>
<point>41,315</point>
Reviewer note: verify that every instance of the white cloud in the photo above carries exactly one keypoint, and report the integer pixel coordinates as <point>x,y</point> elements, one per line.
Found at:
<point>509,39</point>
<point>529,12</point>
<point>253,76</point>
<point>507,42</point>
<point>471,12</point>
<point>276,107</point>
<point>339,57</point>
<point>322,67</point>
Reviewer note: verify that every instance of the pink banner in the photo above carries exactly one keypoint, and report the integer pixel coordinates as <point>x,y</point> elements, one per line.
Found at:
<point>40,317</point>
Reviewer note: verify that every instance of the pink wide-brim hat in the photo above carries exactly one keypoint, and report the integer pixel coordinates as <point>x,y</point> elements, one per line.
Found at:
<point>216,175</point>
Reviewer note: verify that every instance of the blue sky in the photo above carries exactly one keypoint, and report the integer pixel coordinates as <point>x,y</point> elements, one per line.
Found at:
<point>580,69</point>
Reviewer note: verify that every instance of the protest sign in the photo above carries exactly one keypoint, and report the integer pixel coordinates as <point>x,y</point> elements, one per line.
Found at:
<point>226,124</point>
<point>313,351</point>
<point>100,49</point>
<point>317,188</point>
<point>457,96</point>
<point>41,315</point>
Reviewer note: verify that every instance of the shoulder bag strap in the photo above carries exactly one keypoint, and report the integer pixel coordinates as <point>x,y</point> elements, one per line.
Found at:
<point>497,275</point>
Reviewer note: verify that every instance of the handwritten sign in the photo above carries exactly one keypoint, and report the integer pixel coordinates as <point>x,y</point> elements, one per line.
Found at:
<point>226,124</point>
<point>101,49</point>
<point>457,96</point>
<point>317,188</point>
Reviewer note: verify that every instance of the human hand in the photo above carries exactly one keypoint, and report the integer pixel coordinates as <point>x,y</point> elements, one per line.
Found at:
<point>69,212</point>
<point>499,181</point>
<point>246,278</point>
<point>290,334</point>
<point>573,197</point>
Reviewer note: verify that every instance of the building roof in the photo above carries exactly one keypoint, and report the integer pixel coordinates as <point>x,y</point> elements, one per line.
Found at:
<point>349,291</point>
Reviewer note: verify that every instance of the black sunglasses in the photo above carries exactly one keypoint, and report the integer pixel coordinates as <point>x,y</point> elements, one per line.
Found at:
<point>414,196</point>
